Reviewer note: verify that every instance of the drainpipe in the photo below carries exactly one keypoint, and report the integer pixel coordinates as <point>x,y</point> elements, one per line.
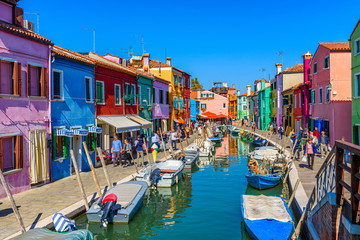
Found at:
<point>50,149</point>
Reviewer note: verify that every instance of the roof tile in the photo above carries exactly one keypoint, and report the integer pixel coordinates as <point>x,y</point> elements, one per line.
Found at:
<point>298,68</point>
<point>336,46</point>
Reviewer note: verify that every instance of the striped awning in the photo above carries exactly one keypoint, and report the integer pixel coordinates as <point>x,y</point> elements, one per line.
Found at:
<point>64,132</point>
<point>95,129</point>
<point>120,122</point>
<point>80,131</point>
<point>142,121</point>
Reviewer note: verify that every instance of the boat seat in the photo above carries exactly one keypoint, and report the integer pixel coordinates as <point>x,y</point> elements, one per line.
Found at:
<point>125,193</point>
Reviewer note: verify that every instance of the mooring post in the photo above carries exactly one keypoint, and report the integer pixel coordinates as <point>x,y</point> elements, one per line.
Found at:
<point>92,169</point>
<point>101,156</point>
<point>81,186</point>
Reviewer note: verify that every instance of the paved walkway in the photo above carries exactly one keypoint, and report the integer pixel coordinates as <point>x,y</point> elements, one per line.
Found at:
<point>306,175</point>
<point>38,203</point>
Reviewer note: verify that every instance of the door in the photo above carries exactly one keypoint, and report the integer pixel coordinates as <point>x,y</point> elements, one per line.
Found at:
<point>76,147</point>
<point>38,156</point>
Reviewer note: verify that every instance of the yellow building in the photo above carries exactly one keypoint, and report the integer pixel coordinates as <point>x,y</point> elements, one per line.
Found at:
<point>288,120</point>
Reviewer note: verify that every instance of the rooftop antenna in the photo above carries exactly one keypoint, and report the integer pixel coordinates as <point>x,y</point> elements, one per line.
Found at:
<point>263,70</point>
<point>128,50</point>
<point>37,21</point>
<point>281,54</point>
<point>142,43</point>
<point>92,29</point>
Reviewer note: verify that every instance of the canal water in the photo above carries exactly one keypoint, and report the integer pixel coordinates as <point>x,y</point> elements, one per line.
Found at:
<point>204,205</point>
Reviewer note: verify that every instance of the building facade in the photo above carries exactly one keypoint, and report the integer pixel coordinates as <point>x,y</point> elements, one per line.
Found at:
<point>232,106</point>
<point>161,105</point>
<point>194,109</point>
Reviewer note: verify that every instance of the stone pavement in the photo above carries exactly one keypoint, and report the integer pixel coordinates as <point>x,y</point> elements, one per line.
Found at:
<point>306,175</point>
<point>41,202</point>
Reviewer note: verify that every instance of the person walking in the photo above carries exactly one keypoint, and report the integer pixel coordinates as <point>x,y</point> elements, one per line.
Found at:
<point>127,152</point>
<point>309,152</point>
<point>316,133</point>
<point>324,144</point>
<point>281,131</point>
<point>139,146</point>
<point>116,150</point>
<point>173,138</point>
<point>155,139</point>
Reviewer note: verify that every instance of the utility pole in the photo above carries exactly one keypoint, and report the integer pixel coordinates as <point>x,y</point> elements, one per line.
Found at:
<point>92,29</point>
<point>142,43</point>
<point>281,54</point>
<point>37,21</point>
<point>128,51</point>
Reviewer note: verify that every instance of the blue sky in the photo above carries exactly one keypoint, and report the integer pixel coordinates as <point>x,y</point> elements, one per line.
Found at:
<point>212,40</point>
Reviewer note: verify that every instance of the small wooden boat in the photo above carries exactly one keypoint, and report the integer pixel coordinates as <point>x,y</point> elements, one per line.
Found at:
<point>119,204</point>
<point>259,142</point>
<point>188,157</point>
<point>44,233</point>
<point>266,217</point>
<point>235,132</point>
<point>261,182</point>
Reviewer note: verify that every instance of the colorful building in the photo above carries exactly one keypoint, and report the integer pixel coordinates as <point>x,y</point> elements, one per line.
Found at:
<point>194,109</point>
<point>249,103</point>
<point>331,90</point>
<point>24,102</point>
<point>305,90</point>
<point>161,104</point>
<point>72,111</point>
<point>264,106</point>
<point>212,103</point>
<point>232,106</point>
<point>273,105</point>
<point>187,97</point>
<point>223,89</point>
<point>288,109</point>
<point>355,75</point>
<point>242,111</point>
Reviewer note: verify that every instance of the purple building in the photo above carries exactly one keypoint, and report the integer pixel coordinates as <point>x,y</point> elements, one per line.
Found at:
<point>24,101</point>
<point>161,104</point>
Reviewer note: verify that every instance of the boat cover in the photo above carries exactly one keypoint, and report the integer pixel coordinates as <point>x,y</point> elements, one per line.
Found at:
<point>43,233</point>
<point>265,207</point>
<point>125,193</point>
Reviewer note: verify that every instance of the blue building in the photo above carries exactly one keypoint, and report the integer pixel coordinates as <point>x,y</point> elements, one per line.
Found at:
<point>194,109</point>
<point>72,111</point>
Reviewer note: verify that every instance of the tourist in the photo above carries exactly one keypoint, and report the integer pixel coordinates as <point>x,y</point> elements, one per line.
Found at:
<point>309,152</point>
<point>155,139</point>
<point>139,146</point>
<point>127,152</point>
<point>116,150</point>
<point>324,144</point>
<point>316,133</point>
<point>199,130</point>
<point>281,131</point>
<point>274,127</point>
<point>253,126</point>
<point>173,138</point>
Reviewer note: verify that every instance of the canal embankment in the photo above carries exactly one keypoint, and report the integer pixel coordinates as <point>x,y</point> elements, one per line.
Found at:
<point>37,205</point>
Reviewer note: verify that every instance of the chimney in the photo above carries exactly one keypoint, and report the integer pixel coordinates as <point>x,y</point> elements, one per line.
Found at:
<point>306,57</point>
<point>278,67</point>
<point>238,92</point>
<point>168,61</point>
<point>145,61</point>
<point>248,90</point>
<point>233,86</point>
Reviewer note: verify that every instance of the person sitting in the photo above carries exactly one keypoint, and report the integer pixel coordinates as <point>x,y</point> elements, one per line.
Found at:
<point>254,165</point>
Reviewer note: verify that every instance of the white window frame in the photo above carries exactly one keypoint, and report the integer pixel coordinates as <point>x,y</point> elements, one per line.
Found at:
<point>356,51</point>
<point>148,96</point>
<point>139,93</point>
<point>134,97</point>
<point>203,104</point>
<point>61,84</point>
<point>315,63</point>
<point>313,96</point>
<point>321,90</point>
<point>356,92</point>
<point>91,85</point>
<point>127,85</point>
<point>327,57</point>
<point>115,85</point>
<point>295,105</point>
<point>103,91</point>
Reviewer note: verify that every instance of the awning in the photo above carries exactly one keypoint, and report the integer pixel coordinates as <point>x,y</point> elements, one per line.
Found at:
<point>79,131</point>
<point>232,116</point>
<point>95,129</point>
<point>64,132</point>
<point>221,116</point>
<point>120,122</point>
<point>209,115</point>
<point>181,120</point>
<point>145,124</point>
<point>202,116</point>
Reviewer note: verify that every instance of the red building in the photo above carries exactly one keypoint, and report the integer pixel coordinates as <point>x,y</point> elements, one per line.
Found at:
<point>186,77</point>
<point>116,99</point>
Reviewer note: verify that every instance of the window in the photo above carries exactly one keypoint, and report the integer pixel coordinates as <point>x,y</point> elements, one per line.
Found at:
<point>167,97</point>
<point>291,98</point>
<point>100,92</point>
<point>299,100</point>
<point>302,97</point>
<point>148,91</point>
<point>91,140</point>
<point>313,96</point>
<point>224,105</point>
<point>181,103</point>
<point>295,101</point>
<point>180,81</point>
<point>357,84</point>
<point>244,99</point>
<point>244,107</point>
<point>11,153</point>
<point>139,94</point>
<point>315,67</point>
<point>117,94</point>
<point>320,95</point>
<point>175,79</point>
<point>10,78</point>
<point>357,46</point>
<point>88,89</point>
<point>153,95</point>
<point>326,62</point>
<point>36,81</point>
<point>61,149</point>
<point>327,95</point>
<point>203,106</point>
<point>133,94</point>
<point>58,84</point>
<point>175,102</point>
<point>161,96</point>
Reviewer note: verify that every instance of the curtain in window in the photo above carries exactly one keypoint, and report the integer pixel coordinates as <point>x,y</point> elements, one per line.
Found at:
<point>38,156</point>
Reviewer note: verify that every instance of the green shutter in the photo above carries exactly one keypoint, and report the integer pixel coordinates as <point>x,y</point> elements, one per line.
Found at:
<point>54,144</point>
<point>65,142</point>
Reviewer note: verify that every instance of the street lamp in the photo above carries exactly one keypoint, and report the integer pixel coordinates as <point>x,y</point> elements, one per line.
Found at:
<point>92,29</point>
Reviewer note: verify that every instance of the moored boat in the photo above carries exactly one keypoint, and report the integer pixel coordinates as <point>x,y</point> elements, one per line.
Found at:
<point>258,142</point>
<point>119,204</point>
<point>170,172</point>
<point>261,182</point>
<point>266,217</point>
<point>44,233</point>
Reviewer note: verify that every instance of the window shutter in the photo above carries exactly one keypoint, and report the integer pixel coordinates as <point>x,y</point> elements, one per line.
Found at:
<point>28,81</point>
<point>19,152</point>
<point>15,78</point>
<point>1,155</point>
<point>19,79</point>
<point>43,82</point>
<point>54,144</point>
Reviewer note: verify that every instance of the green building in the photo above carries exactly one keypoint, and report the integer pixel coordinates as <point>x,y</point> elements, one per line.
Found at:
<point>355,76</point>
<point>242,105</point>
<point>264,103</point>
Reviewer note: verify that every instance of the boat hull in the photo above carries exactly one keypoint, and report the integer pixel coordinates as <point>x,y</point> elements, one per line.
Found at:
<point>263,182</point>
<point>190,160</point>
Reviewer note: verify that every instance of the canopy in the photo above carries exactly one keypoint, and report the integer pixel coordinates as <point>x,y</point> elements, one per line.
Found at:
<point>64,132</point>
<point>80,132</point>
<point>142,121</point>
<point>201,116</point>
<point>181,120</point>
<point>222,116</point>
<point>209,115</point>
<point>120,122</point>
<point>232,116</point>
<point>95,129</point>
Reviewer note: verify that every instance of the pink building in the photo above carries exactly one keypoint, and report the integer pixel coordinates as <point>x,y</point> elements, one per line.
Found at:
<point>211,102</point>
<point>330,101</point>
<point>24,102</point>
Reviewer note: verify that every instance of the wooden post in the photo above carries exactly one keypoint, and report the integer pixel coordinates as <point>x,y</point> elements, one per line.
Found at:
<point>92,169</point>
<point>187,141</point>
<point>101,156</point>
<point>81,186</point>
<point>147,150</point>
<point>293,193</point>
<point>339,158</point>
<point>135,163</point>
<point>355,165</point>
<point>12,201</point>
<point>162,140</point>
<point>287,173</point>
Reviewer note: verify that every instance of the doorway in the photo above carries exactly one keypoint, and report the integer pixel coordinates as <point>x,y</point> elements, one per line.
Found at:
<point>76,147</point>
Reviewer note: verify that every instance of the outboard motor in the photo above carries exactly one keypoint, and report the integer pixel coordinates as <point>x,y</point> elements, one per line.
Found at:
<point>108,202</point>
<point>154,176</point>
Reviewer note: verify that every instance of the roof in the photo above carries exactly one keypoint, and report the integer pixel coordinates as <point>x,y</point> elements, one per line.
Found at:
<point>20,31</point>
<point>11,1</point>
<point>354,29</point>
<point>73,55</point>
<point>155,64</point>
<point>245,94</point>
<point>294,87</point>
<point>298,68</point>
<point>336,46</point>
<point>261,80</point>
<point>146,74</point>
